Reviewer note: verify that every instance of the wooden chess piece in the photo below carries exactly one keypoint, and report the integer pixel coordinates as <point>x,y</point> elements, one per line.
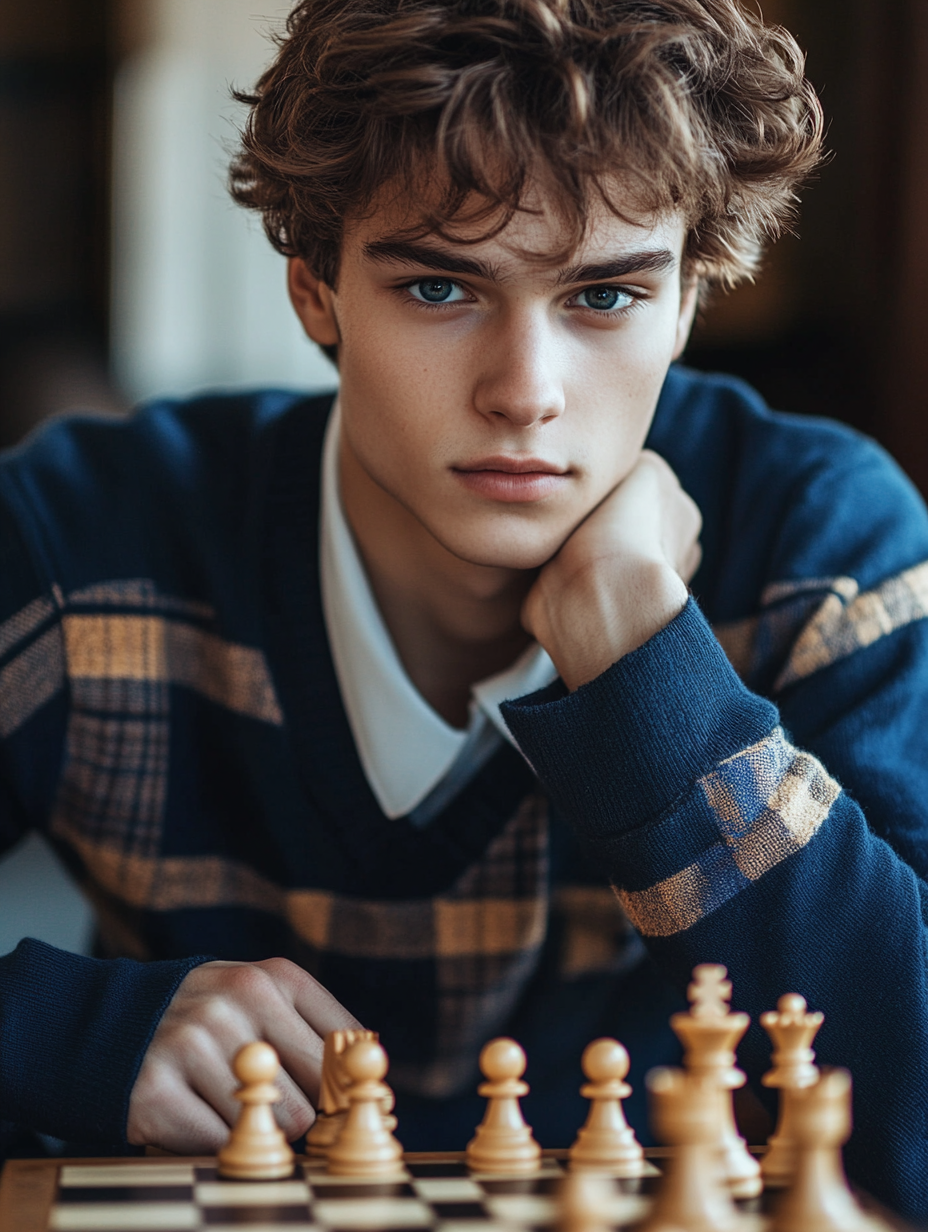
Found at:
<point>583,1203</point>
<point>333,1098</point>
<point>503,1142</point>
<point>606,1142</point>
<point>709,1034</point>
<point>365,1147</point>
<point>792,1030</point>
<point>694,1196</point>
<point>257,1149</point>
<point>819,1199</point>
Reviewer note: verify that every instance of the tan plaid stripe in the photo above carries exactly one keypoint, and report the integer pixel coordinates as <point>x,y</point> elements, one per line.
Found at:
<point>598,937</point>
<point>484,944</point>
<point>31,680</point>
<point>24,623</point>
<point>738,638</point>
<point>104,647</point>
<point>120,666</point>
<point>170,883</point>
<point>139,593</point>
<point>839,627</point>
<point>475,916</point>
<point>757,642</point>
<point>236,677</point>
<point>119,696</point>
<point>114,781</point>
<point>769,801</point>
<point>808,633</point>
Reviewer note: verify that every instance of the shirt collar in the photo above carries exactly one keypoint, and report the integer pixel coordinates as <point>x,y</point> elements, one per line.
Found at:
<point>406,748</point>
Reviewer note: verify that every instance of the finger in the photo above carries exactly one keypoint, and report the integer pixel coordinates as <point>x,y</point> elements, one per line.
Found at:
<point>209,1053</point>
<point>300,1051</point>
<point>207,1069</point>
<point>294,1113</point>
<point>314,1003</point>
<point>177,1119</point>
<point>280,995</point>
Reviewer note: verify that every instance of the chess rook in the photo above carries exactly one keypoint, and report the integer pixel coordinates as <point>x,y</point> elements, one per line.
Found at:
<point>257,1149</point>
<point>365,1147</point>
<point>819,1199</point>
<point>606,1143</point>
<point>694,1196</point>
<point>791,1029</point>
<point>503,1142</point>
<point>709,1034</point>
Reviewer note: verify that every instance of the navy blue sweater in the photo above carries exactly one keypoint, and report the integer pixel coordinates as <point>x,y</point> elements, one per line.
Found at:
<point>752,782</point>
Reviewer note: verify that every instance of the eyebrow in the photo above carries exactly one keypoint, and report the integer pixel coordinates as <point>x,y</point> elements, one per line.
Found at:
<point>409,253</point>
<point>648,261</point>
<point>642,261</point>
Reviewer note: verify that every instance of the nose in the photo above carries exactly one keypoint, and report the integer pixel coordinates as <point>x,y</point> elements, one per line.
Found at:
<point>519,371</point>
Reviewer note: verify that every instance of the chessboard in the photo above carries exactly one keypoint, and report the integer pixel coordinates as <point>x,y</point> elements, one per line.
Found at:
<point>433,1191</point>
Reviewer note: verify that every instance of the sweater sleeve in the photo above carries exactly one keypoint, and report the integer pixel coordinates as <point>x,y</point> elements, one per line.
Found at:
<point>73,1033</point>
<point>73,1030</point>
<point>784,835</point>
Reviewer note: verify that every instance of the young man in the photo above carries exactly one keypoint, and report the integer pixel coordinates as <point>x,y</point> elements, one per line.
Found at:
<point>396,690</point>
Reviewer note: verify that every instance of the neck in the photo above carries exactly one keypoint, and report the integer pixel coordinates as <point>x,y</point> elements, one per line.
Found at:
<point>452,622</point>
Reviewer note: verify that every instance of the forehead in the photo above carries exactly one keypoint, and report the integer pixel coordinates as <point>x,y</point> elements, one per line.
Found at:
<point>542,233</point>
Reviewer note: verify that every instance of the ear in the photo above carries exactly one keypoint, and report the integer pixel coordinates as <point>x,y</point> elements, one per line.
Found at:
<point>314,303</point>
<point>689,301</point>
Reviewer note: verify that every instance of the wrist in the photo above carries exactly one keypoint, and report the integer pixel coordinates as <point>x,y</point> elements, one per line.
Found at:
<point>603,616</point>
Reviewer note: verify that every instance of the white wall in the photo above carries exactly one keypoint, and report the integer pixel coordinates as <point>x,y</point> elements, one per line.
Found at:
<point>199,298</point>
<point>39,899</point>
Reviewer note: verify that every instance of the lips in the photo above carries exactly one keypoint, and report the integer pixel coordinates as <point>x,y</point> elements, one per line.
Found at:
<point>514,466</point>
<point>512,480</point>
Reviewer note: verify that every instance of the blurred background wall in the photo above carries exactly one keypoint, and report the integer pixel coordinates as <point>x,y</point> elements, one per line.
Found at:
<point>197,292</point>
<point>125,272</point>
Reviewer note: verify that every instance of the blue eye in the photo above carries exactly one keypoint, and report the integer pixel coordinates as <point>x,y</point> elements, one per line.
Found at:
<point>605,298</point>
<point>435,290</point>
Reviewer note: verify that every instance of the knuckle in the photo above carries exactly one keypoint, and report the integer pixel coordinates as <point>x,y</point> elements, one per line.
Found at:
<point>154,1088</point>
<point>280,970</point>
<point>192,1040</point>
<point>215,1013</point>
<point>251,981</point>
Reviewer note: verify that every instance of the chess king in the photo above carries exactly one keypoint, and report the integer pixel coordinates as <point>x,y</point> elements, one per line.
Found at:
<point>493,694</point>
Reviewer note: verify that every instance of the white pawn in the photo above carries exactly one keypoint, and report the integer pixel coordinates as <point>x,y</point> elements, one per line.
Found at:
<point>257,1149</point>
<point>606,1143</point>
<point>503,1142</point>
<point>365,1147</point>
<point>792,1029</point>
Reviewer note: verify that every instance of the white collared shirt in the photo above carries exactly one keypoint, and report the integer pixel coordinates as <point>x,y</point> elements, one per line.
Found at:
<point>414,761</point>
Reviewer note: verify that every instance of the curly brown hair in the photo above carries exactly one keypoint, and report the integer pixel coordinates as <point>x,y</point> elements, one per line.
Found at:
<point>690,105</point>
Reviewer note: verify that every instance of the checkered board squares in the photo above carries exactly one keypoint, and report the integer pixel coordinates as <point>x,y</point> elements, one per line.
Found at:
<point>157,1195</point>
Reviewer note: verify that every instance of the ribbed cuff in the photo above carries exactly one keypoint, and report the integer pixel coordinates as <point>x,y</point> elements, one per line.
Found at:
<point>73,1033</point>
<point>618,752</point>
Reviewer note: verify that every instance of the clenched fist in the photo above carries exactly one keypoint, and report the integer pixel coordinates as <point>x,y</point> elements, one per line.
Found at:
<point>183,1097</point>
<point>620,577</point>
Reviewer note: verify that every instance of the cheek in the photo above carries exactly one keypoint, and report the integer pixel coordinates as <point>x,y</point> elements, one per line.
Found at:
<point>615,396</point>
<point>391,351</point>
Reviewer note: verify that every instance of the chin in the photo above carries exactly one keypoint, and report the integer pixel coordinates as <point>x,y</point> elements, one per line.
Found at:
<point>499,551</point>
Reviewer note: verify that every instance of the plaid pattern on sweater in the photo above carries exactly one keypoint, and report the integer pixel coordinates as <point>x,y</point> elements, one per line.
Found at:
<point>170,718</point>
